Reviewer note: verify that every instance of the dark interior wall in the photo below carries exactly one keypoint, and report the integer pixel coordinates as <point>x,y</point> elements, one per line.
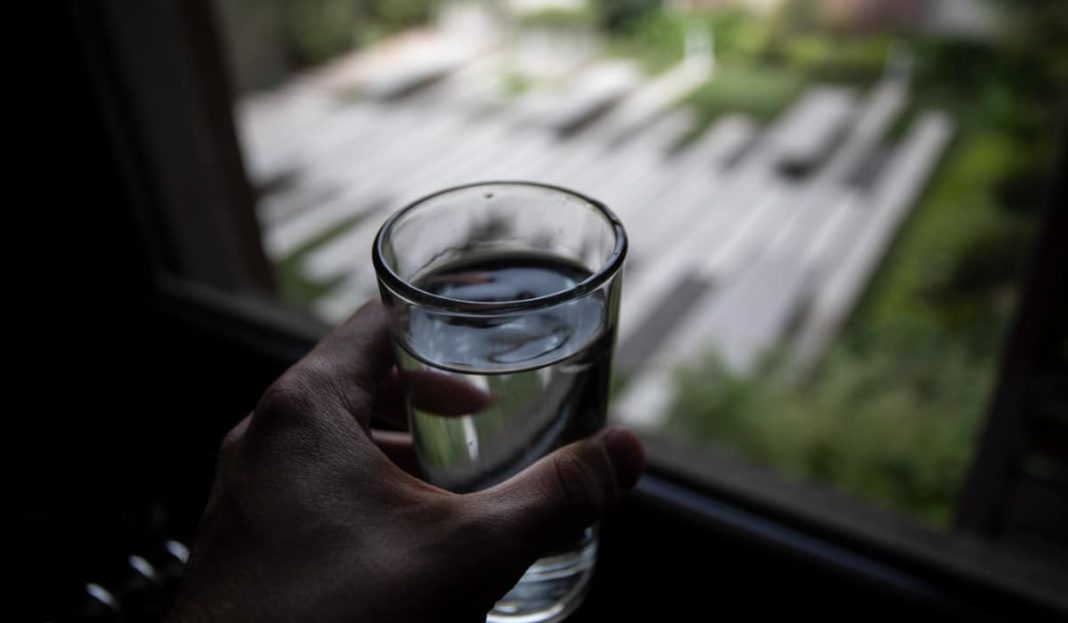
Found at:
<point>121,406</point>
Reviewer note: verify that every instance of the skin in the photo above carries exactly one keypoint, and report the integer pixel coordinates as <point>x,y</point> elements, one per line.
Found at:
<point>315,517</point>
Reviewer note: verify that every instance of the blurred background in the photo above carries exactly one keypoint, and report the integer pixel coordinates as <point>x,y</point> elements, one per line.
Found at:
<point>829,201</point>
<point>844,330</point>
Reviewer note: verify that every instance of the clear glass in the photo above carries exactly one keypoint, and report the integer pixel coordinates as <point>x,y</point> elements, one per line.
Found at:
<point>506,293</point>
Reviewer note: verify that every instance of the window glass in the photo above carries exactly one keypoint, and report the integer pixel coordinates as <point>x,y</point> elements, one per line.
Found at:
<point>830,203</point>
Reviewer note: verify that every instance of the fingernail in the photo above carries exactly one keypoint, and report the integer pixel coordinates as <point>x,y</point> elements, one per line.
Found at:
<point>626,454</point>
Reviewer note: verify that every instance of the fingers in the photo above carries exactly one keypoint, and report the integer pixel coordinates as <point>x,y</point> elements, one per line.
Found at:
<point>429,391</point>
<point>236,433</point>
<point>444,394</point>
<point>230,446</point>
<point>390,408</point>
<point>566,491</point>
<point>323,395</point>
<point>398,448</point>
<point>351,360</point>
<point>360,345</point>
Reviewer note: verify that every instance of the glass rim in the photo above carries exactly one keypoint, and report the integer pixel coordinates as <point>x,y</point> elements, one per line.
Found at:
<point>427,299</point>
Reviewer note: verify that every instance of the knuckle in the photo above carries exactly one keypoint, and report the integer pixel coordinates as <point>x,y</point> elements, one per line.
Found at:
<point>289,402</point>
<point>314,371</point>
<point>580,485</point>
<point>292,394</point>
<point>228,446</point>
<point>355,392</point>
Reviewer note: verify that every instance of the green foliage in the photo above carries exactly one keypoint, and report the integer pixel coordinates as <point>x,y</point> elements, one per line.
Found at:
<point>756,90</point>
<point>854,60</point>
<point>892,413</point>
<point>894,426</point>
<point>317,30</point>
<point>797,16</point>
<point>657,41</point>
<point>560,18</point>
<point>396,15</point>
<point>737,36</point>
<point>929,282</point>
<point>1013,87</point>
<point>615,15</point>
<point>752,40</point>
<point>296,288</point>
<point>744,43</point>
<point>514,84</point>
<point>1037,34</point>
<point>958,66</point>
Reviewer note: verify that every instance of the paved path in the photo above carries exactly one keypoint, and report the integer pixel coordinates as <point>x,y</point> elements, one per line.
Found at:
<point>736,238</point>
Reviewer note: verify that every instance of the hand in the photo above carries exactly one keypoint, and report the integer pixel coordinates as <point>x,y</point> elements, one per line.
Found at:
<point>311,520</point>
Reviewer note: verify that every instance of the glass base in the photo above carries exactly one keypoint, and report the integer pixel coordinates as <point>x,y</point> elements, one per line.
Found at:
<point>552,588</point>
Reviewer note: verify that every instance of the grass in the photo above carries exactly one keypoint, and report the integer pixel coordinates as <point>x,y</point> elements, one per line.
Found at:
<point>559,18</point>
<point>758,72</point>
<point>514,84</point>
<point>656,42</point>
<point>854,60</point>
<point>898,440</point>
<point>923,285</point>
<point>761,92</point>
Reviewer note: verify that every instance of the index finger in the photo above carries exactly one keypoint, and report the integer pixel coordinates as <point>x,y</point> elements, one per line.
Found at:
<point>353,358</point>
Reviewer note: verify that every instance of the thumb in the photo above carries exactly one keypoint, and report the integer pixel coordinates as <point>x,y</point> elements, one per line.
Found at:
<point>555,498</point>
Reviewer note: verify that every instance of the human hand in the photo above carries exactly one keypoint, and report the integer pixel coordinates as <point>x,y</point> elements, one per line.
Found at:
<point>314,518</point>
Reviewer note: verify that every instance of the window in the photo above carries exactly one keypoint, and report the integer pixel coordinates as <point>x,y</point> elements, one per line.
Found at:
<point>831,206</point>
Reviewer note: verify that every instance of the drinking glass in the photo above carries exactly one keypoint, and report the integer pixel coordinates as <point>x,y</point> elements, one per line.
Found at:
<point>509,292</point>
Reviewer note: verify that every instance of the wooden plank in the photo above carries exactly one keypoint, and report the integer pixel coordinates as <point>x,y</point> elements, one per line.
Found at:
<point>597,92</point>
<point>649,102</point>
<point>753,303</point>
<point>812,126</point>
<point>632,353</point>
<point>894,197</point>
